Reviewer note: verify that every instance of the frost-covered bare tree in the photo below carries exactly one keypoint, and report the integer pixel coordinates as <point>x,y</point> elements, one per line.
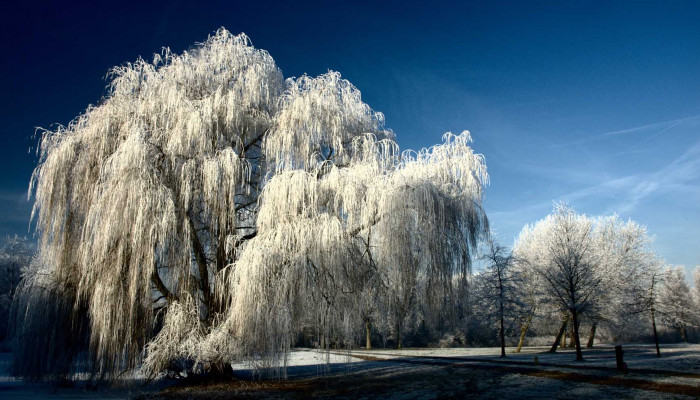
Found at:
<point>626,260</point>
<point>696,290</point>
<point>675,302</point>
<point>528,250</point>
<point>569,263</point>
<point>208,209</point>
<point>613,270</point>
<point>498,288</point>
<point>644,289</point>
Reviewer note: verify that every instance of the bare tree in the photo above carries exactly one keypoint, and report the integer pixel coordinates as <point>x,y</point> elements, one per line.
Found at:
<point>626,259</point>
<point>696,290</point>
<point>568,263</point>
<point>533,299</point>
<point>645,291</point>
<point>498,287</point>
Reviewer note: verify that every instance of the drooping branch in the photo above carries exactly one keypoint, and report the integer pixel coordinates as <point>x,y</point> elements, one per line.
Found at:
<point>160,286</point>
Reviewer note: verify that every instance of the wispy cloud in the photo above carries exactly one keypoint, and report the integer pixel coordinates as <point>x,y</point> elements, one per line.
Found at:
<point>659,128</point>
<point>680,175</point>
<point>653,125</point>
<point>678,178</point>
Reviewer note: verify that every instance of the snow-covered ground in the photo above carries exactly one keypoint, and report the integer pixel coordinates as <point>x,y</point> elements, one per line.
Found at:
<point>474,373</point>
<point>678,365</point>
<point>682,357</point>
<point>305,363</point>
<point>431,373</point>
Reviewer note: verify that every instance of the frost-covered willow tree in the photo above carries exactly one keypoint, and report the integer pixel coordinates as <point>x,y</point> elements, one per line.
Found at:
<point>207,209</point>
<point>389,218</point>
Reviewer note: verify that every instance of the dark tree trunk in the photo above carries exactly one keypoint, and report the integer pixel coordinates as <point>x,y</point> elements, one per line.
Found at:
<point>399,342</point>
<point>571,337</point>
<point>591,336</point>
<point>564,323</point>
<point>160,286</point>
<point>222,370</point>
<point>579,354</point>
<point>503,337</point>
<point>501,301</point>
<point>503,340</point>
<point>656,336</point>
<point>202,267</point>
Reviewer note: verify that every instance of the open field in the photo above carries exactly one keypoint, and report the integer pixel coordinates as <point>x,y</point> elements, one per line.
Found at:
<point>432,373</point>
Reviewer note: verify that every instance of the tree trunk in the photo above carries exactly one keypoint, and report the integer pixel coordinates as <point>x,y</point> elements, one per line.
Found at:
<point>367,333</point>
<point>203,269</point>
<point>503,340</point>
<point>158,283</point>
<point>564,322</point>
<point>684,336</point>
<point>399,343</point>
<point>579,354</point>
<point>523,331</point>
<point>591,336</point>
<point>562,342</point>
<point>571,336</point>
<point>656,336</point>
<point>503,337</point>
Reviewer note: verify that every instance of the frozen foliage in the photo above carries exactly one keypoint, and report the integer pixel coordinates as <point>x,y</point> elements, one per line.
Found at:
<point>208,209</point>
<point>696,290</point>
<point>675,302</point>
<point>592,268</point>
<point>628,267</point>
<point>323,236</point>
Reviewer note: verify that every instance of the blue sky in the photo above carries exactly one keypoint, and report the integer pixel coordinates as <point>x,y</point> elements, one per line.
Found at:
<point>592,103</point>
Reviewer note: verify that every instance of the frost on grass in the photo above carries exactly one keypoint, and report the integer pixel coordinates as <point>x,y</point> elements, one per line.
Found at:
<point>208,209</point>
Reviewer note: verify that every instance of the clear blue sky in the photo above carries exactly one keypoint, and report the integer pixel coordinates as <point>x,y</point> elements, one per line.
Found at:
<point>592,103</point>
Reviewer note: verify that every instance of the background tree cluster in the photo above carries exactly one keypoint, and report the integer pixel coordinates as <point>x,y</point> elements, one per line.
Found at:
<point>600,271</point>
